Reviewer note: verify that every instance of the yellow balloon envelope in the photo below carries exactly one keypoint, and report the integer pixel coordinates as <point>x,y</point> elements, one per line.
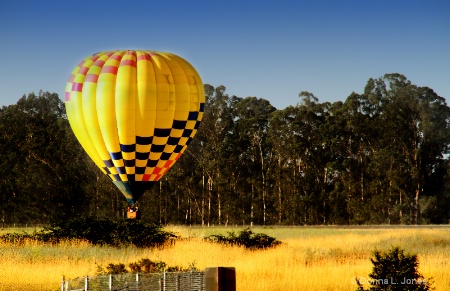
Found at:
<point>134,113</point>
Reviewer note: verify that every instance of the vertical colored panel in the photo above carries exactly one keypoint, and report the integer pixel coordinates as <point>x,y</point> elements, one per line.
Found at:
<point>106,107</point>
<point>182,91</point>
<point>74,108</point>
<point>146,105</point>
<point>164,88</point>
<point>125,103</point>
<point>147,96</point>
<point>90,108</point>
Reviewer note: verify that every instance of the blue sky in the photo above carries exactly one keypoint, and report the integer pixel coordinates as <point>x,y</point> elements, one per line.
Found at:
<point>271,49</point>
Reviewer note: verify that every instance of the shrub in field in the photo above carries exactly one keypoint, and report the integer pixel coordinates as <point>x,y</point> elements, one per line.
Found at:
<point>116,269</point>
<point>100,232</point>
<point>395,271</point>
<point>147,266</point>
<point>142,266</point>
<point>143,235</point>
<point>245,238</point>
<point>15,238</point>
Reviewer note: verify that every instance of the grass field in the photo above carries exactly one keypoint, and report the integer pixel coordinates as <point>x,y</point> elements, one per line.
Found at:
<point>310,258</point>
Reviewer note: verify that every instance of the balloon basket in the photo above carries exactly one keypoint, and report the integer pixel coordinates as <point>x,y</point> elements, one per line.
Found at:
<point>133,213</point>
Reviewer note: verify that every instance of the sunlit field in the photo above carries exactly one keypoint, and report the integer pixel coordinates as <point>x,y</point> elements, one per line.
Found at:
<point>310,258</point>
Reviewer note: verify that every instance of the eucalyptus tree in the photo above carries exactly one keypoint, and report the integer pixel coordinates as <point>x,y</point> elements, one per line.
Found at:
<point>12,137</point>
<point>312,156</point>
<point>417,133</point>
<point>354,142</point>
<point>252,125</point>
<point>216,126</point>
<point>42,173</point>
<point>393,140</point>
<point>281,135</point>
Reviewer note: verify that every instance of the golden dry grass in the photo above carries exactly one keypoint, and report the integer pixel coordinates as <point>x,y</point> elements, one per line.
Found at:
<point>310,258</point>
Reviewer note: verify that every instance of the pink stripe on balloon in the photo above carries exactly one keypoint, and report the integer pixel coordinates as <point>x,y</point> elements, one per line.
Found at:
<point>116,57</point>
<point>83,70</point>
<point>91,78</point>
<point>94,58</point>
<point>144,57</point>
<point>109,69</point>
<point>128,63</point>
<point>77,87</point>
<point>99,63</point>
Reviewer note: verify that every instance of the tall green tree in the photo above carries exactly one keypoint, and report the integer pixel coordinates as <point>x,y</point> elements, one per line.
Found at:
<point>252,125</point>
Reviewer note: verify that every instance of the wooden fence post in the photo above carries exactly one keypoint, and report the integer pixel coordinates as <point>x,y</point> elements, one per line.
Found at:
<point>165,283</point>
<point>177,282</point>
<point>220,279</point>
<point>138,280</point>
<point>161,284</point>
<point>86,284</point>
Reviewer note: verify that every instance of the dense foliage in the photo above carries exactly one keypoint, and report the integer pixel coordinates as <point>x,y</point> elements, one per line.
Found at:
<point>98,232</point>
<point>246,238</point>
<point>395,271</point>
<point>142,266</point>
<point>380,157</point>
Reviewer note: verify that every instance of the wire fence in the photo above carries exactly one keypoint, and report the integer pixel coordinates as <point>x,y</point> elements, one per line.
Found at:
<point>166,281</point>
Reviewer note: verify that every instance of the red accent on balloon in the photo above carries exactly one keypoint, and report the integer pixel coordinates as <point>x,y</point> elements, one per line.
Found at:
<point>91,78</point>
<point>144,57</point>
<point>109,69</point>
<point>78,87</point>
<point>99,63</point>
<point>83,70</point>
<point>128,63</point>
<point>168,164</point>
<point>116,57</point>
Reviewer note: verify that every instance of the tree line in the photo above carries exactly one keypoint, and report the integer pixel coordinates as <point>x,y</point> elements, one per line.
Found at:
<point>379,157</point>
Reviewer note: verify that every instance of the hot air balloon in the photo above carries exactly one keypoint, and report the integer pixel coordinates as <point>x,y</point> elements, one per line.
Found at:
<point>134,112</point>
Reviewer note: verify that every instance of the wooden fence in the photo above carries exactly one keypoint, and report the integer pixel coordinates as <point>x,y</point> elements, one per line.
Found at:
<point>212,279</point>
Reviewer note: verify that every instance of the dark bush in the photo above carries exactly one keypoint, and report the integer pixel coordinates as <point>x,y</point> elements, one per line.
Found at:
<point>143,235</point>
<point>395,271</point>
<point>116,269</point>
<point>94,230</point>
<point>142,266</point>
<point>100,232</point>
<point>147,266</point>
<point>15,238</point>
<point>246,238</point>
